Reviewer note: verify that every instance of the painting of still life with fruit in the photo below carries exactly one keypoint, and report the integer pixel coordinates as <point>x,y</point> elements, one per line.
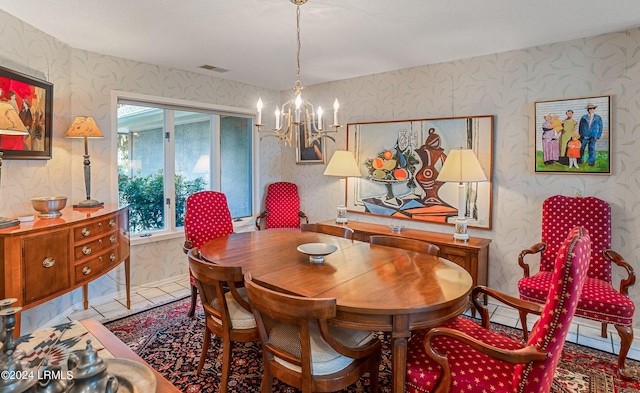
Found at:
<point>400,162</point>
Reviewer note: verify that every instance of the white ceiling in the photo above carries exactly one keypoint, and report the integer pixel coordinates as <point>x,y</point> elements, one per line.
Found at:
<point>255,39</point>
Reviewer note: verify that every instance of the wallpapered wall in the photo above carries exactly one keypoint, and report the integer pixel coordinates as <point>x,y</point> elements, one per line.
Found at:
<point>504,85</point>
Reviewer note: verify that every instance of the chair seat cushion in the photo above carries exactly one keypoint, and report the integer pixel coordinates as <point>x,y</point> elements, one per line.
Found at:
<point>324,359</point>
<point>240,318</point>
<point>599,300</point>
<point>471,370</point>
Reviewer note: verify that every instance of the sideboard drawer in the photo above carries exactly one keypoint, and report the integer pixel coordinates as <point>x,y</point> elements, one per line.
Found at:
<point>82,232</point>
<point>93,267</point>
<point>91,248</point>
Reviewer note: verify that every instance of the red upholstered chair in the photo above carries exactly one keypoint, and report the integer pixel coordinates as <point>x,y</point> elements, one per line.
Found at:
<point>282,207</point>
<point>464,356</point>
<point>599,301</point>
<point>207,217</point>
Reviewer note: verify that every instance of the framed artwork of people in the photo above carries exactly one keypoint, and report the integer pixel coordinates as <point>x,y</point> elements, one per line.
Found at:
<point>573,136</point>
<point>32,99</point>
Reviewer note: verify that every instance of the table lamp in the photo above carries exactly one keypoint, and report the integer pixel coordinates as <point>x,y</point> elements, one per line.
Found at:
<point>462,167</point>
<point>342,164</point>
<point>10,124</point>
<point>85,127</point>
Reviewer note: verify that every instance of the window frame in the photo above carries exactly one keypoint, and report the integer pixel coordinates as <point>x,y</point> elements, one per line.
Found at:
<point>171,232</point>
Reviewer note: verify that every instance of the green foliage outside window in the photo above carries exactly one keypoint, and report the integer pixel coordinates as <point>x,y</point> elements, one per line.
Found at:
<point>145,197</point>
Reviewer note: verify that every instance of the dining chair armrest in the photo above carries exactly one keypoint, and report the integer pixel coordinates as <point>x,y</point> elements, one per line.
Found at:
<point>362,351</point>
<point>535,249</point>
<point>262,215</point>
<point>302,215</point>
<point>523,306</point>
<point>233,288</point>
<point>517,356</point>
<point>188,245</point>
<point>619,260</point>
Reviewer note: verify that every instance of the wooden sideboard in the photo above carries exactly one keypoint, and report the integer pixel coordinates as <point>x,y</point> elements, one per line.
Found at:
<point>45,258</point>
<point>472,255</point>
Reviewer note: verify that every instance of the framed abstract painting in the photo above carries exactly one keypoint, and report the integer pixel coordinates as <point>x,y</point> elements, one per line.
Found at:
<point>573,136</point>
<point>32,99</point>
<point>400,162</point>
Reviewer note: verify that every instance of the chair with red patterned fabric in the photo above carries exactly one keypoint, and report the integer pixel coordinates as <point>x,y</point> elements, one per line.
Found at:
<point>206,217</point>
<point>282,208</point>
<point>472,358</point>
<point>599,301</point>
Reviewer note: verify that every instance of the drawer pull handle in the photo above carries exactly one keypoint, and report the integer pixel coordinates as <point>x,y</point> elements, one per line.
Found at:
<point>112,223</point>
<point>85,232</point>
<point>86,250</point>
<point>99,225</point>
<point>86,270</point>
<point>113,239</point>
<point>48,262</point>
<point>112,257</point>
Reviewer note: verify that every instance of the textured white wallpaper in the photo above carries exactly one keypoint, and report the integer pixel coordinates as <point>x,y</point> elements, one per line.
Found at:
<point>504,85</point>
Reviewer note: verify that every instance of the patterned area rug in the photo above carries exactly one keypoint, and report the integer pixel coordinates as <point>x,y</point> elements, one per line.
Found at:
<point>170,342</point>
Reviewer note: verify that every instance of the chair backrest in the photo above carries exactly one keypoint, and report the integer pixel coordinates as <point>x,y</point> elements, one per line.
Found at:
<point>406,244</point>
<point>332,230</point>
<point>215,284</point>
<point>282,204</point>
<point>562,213</point>
<point>550,331</point>
<point>284,323</point>
<point>207,217</point>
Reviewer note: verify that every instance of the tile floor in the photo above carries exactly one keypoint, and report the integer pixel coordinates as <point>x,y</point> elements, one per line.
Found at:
<point>583,331</point>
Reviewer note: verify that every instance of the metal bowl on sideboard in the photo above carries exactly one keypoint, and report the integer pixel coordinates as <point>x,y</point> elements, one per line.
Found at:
<point>49,207</point>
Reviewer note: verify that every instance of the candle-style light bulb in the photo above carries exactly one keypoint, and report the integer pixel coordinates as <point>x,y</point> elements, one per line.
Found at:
<point>277,117</point>
<point>259,120</point>
<point>336,106</point>
<point>319,118</point>
<point>298,103</point>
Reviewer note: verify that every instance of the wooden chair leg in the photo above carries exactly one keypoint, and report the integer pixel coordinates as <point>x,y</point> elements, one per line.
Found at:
<point>227,350</point>
<point>373,374</point>
<point>205,349</point>
<point>626,338</point>
<point>194,300</point>
<point>267,378</point>
<point>603,330</point>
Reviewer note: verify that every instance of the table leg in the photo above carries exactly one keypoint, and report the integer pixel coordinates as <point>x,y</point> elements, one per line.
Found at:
<point>127,279</point>
<point>399,336</point>
<point>85,296</point>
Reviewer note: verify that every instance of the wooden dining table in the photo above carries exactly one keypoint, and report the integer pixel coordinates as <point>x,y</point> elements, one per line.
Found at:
<point>376,288</point>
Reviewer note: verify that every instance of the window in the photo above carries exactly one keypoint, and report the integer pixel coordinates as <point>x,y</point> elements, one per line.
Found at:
<point>167,152</point>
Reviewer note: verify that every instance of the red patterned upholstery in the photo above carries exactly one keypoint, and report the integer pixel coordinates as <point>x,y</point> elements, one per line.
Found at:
<point>531,366</point>
<point>599,301</point>
<point>282,207</point>
<point>206,217</point>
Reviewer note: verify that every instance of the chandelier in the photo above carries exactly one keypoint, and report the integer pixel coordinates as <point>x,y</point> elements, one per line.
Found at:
<point>298,112</point>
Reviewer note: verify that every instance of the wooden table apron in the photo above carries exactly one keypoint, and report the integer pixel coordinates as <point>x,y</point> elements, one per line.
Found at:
<point>376,288</point>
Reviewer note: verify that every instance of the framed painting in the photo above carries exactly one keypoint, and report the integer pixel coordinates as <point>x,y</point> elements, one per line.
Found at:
<point>32,99</point>
<point>573,136</point>
<point>400,162</point>
<point>309,149</point>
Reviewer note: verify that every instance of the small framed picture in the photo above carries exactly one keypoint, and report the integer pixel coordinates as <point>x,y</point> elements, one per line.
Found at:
<point>573,136</point>
<point>32,99</point>
<point>309,150</point>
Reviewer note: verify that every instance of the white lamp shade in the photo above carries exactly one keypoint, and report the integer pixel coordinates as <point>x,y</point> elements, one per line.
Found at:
<point>461,166</point>
<point>343,164</point>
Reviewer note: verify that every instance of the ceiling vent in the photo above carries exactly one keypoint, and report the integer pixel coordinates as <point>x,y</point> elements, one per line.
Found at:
<point>212,68</point>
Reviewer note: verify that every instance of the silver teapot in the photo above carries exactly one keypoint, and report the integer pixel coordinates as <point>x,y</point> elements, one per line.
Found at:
<point>90,372</point>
